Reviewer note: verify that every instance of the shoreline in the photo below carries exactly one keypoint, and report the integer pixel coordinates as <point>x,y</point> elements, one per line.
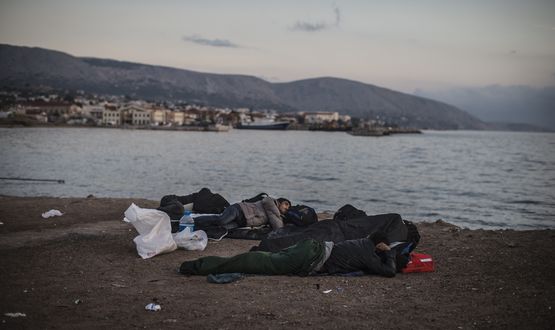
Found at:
<point>325,214</point>
<point>82,270</point>
<point>295,129</point>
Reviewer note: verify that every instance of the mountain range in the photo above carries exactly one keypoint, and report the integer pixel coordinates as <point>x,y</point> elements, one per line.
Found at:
<point>31,67</point>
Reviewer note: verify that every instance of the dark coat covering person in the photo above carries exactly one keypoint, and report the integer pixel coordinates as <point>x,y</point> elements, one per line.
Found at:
<point>370,255</point>
<point>337,230</point>
<point>308,257</point>
<point>203,201</point>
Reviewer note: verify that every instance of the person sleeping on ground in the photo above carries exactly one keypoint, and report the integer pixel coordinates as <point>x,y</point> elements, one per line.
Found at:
<point>371,255</point>
<point>266,211</point>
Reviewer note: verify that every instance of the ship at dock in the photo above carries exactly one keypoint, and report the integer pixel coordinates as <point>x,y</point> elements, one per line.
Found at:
<point>264,124</point>
<point>382,131</point>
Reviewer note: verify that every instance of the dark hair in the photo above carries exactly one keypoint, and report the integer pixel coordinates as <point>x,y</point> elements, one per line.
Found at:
<point>378,237</point>
<point>281,200</point>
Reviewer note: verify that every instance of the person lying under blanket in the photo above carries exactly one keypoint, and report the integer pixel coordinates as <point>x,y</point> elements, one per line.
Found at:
<point>371,255</point>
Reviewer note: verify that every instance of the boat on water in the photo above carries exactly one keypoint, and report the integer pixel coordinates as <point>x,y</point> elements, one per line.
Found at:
<point>191,128</point>
<point>217,128</point>
<point>368,132</point>
<point>264,124</point>
<point>382,131</point>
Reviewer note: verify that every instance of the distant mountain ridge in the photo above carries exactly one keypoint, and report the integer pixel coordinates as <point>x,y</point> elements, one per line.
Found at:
<point>25,67</point>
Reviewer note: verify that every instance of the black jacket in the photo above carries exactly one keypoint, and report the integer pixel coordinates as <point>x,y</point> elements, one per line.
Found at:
<point>359,255</point>
<point>336,231</point>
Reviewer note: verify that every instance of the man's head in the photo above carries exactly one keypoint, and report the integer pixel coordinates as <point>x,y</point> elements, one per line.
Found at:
<point>283,205</point>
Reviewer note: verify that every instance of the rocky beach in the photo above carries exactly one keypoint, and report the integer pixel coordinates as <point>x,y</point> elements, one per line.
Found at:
<point>81,270</point>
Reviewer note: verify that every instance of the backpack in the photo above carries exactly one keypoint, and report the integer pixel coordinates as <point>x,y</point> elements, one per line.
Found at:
<point>256,198</point>
<point>403,251</point>
<point>204,201</point>
<point>347,212</point>
<point>301,216</point>
<point>208,202</point>
<point>413,235</point>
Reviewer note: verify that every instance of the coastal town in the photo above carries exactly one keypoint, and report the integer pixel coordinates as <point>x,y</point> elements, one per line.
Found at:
<point>25,109</point>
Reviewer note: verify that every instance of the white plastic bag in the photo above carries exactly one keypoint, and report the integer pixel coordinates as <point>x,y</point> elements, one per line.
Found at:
<point>155,232</point>
<point>52,213</point>
<point>196,240</point>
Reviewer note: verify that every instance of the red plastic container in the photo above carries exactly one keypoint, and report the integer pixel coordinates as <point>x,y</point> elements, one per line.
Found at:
<point>419,263</point>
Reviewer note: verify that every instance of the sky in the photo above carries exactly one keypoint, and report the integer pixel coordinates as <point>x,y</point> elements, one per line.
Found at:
<point>405,45</point>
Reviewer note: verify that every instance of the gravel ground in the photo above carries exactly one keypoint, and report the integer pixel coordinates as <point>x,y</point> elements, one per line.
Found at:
<point>81,270</point>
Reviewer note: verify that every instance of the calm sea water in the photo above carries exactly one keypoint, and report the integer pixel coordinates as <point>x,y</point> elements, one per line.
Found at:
<point>470,178</point>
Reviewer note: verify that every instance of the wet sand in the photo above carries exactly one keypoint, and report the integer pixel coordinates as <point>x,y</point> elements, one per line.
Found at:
<point>81,270</point>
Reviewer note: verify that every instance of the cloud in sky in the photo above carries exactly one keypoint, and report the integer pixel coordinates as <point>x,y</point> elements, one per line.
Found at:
<point>319,26</point>
<point>309,27</point>
<point>210,42</point>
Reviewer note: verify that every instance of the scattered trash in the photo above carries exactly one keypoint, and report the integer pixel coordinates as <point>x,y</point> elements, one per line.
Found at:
<point>15,314</point>
<point>223,234</point>
<point>193,241</point>
<point>327,291</point>
<point>117,285</point>
<point>224,278</point>
<point>153,307</point>
<point>77,301</point>
<point>154,230</point>
<point>1,223</point>
<point>52,213</point>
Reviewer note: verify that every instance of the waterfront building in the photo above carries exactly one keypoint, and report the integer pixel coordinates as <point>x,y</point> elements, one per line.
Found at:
<point>176,118</point>
<point>320,117</point>
<point>159,116</point>
<point>111,117</point>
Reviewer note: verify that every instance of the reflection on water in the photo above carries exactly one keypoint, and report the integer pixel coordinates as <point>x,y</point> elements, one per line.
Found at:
<point>474,179</point>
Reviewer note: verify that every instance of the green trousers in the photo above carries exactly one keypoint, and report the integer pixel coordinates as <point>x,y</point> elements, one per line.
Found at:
<point>299,259</point>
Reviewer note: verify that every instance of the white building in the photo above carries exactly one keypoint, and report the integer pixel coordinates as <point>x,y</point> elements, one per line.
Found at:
<point>93,111</point>
<point>176,118</point>
<point>320,117</point>
<point>111,117</point>
<point>159,116</point>
<point>135,115</point>
<point>140,117</point>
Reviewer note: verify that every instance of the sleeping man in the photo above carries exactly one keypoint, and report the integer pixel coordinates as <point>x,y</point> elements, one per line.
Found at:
<point>371,255</point>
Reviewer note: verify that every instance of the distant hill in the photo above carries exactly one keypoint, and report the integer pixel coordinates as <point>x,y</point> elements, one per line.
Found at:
<point>25,67</point>
<point>508,104</point>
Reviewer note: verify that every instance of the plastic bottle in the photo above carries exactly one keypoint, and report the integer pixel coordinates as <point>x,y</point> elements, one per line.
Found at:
<point>187,221</point>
